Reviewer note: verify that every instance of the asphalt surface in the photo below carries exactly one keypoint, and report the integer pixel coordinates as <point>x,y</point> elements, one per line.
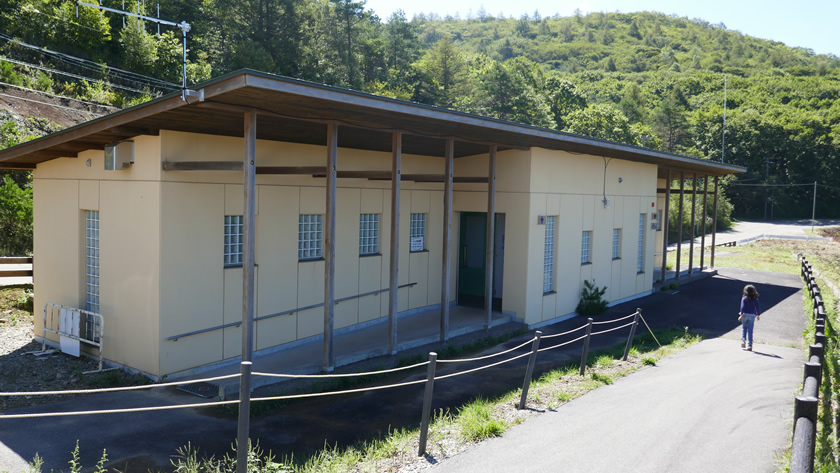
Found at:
<point>712,407</point>
<point>686,408</point>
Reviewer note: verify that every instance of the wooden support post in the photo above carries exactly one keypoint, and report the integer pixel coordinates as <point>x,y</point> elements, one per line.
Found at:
<point>679,224</point>
<point>329,248</point>
<point>666,215</point>
<point>447,238</point>
<point>491,233</point>
<point>705,212</point>
<point>693,221</point>
<point>714,225</point>
<point>393,292</point>
<point>248,214</point>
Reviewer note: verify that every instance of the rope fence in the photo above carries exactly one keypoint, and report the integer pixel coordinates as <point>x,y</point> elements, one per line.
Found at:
<point>338,375</point>
<point>464,360</point>
<point>431,377</point>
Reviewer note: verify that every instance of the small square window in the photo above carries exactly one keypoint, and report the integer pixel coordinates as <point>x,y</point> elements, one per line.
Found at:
<point>310,236</point>
<point>368,234</point>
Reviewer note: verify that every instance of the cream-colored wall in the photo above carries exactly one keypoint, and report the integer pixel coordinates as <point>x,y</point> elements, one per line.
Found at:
<point>284,283</point>
<point>128,202</point>
<point>571,187</point>
<point>170,233</point>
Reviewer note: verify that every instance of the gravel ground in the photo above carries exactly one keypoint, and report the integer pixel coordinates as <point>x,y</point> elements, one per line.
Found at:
<point>20,370</point>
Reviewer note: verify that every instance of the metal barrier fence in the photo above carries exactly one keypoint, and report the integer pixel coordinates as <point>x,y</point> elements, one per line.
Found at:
<point>428,382</point>
<point>74,325</point>
<point>806,406</point>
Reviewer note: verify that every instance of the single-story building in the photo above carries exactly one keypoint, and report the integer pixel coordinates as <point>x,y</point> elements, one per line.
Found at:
<point>297,195</point>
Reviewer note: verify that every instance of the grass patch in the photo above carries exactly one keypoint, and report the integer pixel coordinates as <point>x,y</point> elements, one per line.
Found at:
<point>477,422</point>
<point>601,378</point>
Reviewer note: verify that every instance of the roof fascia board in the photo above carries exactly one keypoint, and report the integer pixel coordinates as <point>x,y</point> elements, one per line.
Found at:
<point>460,118</point>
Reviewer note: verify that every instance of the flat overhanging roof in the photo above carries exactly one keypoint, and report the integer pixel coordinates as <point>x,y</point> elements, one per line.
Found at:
<point>296,111</point>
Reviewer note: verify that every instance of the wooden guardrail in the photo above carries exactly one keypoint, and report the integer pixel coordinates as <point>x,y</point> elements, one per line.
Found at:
<point>6,261</point>
<point>806,406</point>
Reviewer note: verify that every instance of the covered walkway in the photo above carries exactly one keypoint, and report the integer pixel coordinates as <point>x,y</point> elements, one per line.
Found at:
<point>357,343</point>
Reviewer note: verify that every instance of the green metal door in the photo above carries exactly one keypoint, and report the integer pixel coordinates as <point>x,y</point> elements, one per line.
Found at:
<point>472,259</point>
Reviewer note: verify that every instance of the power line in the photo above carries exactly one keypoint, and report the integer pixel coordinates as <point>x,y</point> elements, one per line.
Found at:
<point>76,76</point>
<point>95,66</point>
<point>54,95</point>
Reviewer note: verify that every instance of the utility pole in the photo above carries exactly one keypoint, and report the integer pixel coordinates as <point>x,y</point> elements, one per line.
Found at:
<point>723,135</point>
<point>814,207</point>
<point>184,26</point>
<point>768,160</point>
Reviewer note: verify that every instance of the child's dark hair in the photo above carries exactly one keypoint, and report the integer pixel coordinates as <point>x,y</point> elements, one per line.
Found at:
<point>750,292</point>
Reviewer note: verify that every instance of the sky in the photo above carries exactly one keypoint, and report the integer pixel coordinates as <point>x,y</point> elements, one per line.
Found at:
<point>811,24</point>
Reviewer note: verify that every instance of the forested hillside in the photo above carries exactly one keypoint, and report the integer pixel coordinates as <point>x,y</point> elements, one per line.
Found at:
<point>645,78</point>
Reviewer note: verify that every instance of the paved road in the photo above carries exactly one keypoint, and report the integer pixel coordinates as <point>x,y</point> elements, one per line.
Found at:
<point>704,394</point>
<point>712,407</point>
<point>750,230</point>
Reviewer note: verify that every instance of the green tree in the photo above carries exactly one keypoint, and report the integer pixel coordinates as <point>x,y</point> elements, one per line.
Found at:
<point>602,121</point>
<point>15,218</point>
<point>446,69</point>
<point>670,123</point>
<point>563,98</point>
<point>506,90</point>
<point>633,103</point>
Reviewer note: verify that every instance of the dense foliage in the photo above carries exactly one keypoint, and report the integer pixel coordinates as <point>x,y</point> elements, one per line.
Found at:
<point>16,186</point>
<point>645,79</point>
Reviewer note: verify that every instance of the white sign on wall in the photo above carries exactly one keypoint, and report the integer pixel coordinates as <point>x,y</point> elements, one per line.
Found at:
<point>418,244</point>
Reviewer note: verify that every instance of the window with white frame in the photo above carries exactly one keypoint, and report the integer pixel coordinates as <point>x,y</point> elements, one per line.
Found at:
<point>234,239</point>
<point>92,273</point>
<point>585,250</point>
<point>640,263</point>
<point>659,220</point>
<point>548,261</point>
<point>368,234</point>
<point>310,236</point>
<point>417,232</point>
<point>616,245</point>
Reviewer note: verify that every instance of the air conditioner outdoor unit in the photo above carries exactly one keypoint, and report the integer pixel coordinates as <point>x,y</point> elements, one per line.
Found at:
<point>119,155</point>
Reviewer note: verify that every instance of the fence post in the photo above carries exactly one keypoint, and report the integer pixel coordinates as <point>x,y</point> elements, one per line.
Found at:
<point>585,353</point>
<point>817,350</point>
<point>632,334</point>
<point>427,403</point>
<point>804,423</point>
<point>819,338</point>
<point>532,360</point>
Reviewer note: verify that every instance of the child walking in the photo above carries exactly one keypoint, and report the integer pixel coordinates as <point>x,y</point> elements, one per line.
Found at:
<point>749,313</point>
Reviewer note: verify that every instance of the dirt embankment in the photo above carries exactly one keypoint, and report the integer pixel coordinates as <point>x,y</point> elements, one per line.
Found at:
<point>62,111</point>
